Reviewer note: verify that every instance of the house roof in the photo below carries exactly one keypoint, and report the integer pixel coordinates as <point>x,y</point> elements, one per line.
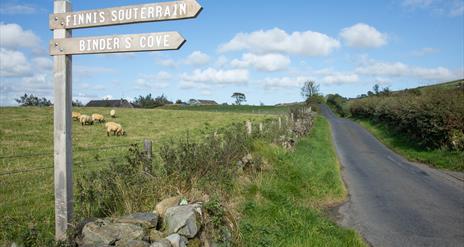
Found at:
<point>110,103</point>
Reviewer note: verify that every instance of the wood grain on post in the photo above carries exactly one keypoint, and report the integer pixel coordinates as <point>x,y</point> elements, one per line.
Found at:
<point>62,121</point>
<point>150,12</point>
<point>117,43</point>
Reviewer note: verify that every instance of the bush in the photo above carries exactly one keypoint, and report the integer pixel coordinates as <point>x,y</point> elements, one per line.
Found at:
<point>337,103</point>
<point>433,118</point>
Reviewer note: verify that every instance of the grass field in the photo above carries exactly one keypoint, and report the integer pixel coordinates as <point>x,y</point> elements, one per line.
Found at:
<point>444,159</point>
<point>284,205</point>
<point>26,154</point>
<point>232,108</point>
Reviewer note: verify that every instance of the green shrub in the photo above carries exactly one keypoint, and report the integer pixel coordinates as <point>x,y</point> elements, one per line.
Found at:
<point>433,118</point>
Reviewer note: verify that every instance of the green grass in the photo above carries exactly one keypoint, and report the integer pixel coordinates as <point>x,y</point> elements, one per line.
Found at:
<point>444,159</point>
<point>28,197</point>
<point>284,205</point>
<point>233,108</point>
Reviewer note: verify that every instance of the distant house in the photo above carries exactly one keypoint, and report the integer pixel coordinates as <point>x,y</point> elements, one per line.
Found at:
<point>202,102</point>
<point>121,103</point>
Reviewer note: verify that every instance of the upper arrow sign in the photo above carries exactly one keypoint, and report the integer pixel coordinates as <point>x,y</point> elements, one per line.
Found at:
<point>127,14</point>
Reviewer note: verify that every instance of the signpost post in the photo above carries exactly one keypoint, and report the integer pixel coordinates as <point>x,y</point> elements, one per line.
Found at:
<point>62,121</point>
<point>63,46</point>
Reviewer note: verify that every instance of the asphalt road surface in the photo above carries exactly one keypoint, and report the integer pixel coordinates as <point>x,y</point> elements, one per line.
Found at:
<point>394,202</point>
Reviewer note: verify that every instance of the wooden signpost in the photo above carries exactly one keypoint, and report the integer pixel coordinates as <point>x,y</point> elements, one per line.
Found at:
<point>63,46</point>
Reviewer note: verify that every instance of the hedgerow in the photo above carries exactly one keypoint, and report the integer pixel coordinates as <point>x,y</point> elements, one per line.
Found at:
<point>433,118</point>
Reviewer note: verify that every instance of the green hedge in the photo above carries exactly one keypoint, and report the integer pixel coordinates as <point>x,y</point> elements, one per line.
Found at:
<point>433,118</point>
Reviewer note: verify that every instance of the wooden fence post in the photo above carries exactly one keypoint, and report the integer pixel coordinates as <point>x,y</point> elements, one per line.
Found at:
<point>280,123</point>
<point>261,127</point>
<point>147,146</point>
<point>249,127</point>
<point>62,121</point>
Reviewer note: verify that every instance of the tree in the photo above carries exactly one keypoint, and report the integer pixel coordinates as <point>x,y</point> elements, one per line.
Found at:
<point>239,98</point>
<point>150,102</point>
<point>31,100</point>
<point>77,103</point>
<point>376,89</point>
<point>309,90</point>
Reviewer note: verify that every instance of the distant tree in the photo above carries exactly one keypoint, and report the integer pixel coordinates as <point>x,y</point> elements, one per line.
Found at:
<point>309,91</point>
<point>385,91</point>
<point>239,98</point>
<point>31,100</point>
<point>376,89</point>
<point>77,103</point>
<point>179,102</point>
<point>149,102</point>
<point>370,93</point>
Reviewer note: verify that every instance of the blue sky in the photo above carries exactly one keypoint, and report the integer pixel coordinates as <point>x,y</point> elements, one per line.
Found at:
<point>265,49</point>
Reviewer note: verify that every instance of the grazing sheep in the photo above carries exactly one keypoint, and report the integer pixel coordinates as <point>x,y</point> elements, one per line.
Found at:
<point>113,113</point>
<point>115,128</point>
<point>76,115</point>
<point>85,119</point>
<point>98,117</point>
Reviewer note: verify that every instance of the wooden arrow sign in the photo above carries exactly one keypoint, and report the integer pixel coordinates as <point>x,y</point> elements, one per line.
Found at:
<point>117,43</point>
<point>151,12</point>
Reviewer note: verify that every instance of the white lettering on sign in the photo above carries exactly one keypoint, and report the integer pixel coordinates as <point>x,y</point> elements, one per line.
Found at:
<point>117,43</point>
<point>157,12</point>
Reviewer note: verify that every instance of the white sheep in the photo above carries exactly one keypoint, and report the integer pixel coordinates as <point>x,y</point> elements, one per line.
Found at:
<point>98,117</point>
<point>85,119</point>
<point>76,115</point>
<point>115,128</point>
<point>113,113</point>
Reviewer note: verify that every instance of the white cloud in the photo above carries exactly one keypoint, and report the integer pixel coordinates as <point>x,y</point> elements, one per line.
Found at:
<point>156,81</point>
<point>424,51</point>
<point>203,78</point>
<point>417,3</point>
<point>363,36</point>
<point>451,8</point>
<point>89,71</point>
<point>457,9</point>
<point>340,78</point>
<point>398,69</point>
<point>17,9</point>
<point>197,58</point>
<point>167,62</point>
<point>13,64</point>
<point>43,63</point>
<point>267,62</point>
<point>221,61</point>
<point>284,82</point>
<point>12,36</point>
<point>306,43</point>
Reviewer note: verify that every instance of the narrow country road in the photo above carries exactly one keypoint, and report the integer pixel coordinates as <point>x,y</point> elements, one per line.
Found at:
<point>394,202</point>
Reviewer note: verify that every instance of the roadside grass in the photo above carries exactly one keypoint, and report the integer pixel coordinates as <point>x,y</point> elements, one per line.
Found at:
<point>26,198</point>
<point>444,159</point>
<point>284,205</point>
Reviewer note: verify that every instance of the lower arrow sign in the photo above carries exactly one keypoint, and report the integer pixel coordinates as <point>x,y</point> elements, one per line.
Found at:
<point>117,43</point>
